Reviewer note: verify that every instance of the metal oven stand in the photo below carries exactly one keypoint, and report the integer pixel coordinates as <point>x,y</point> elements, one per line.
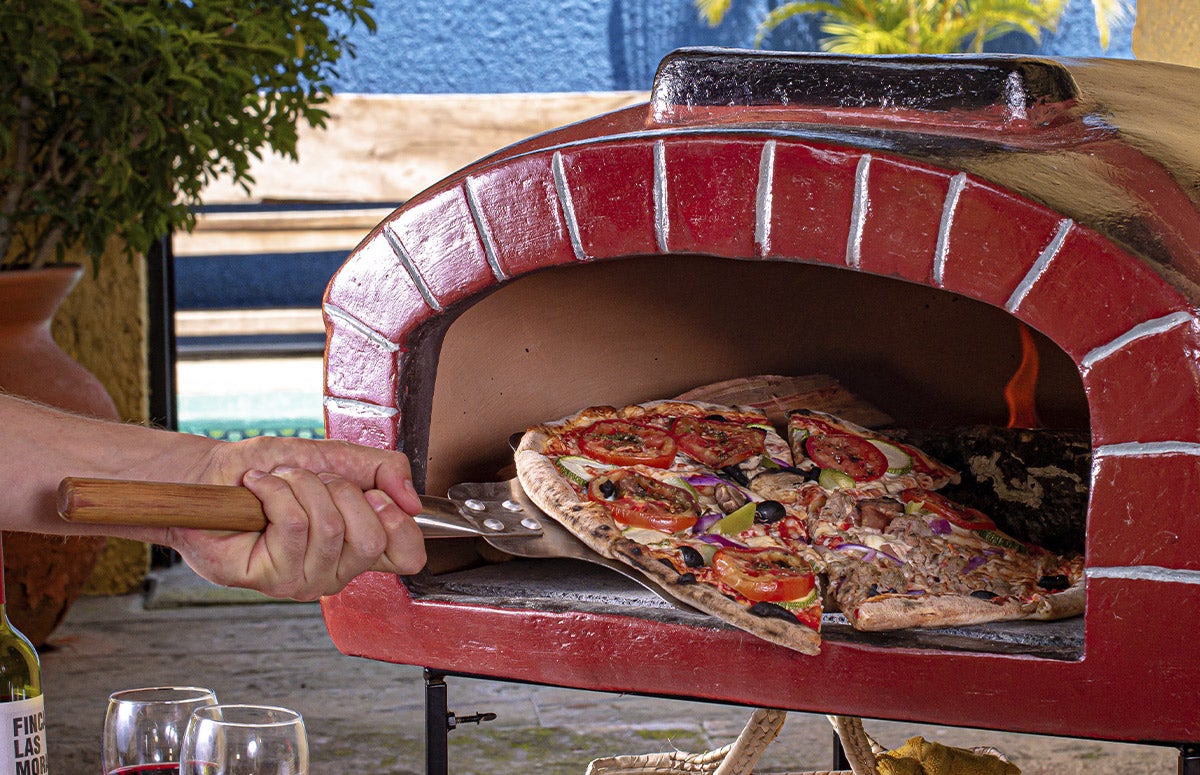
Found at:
<point>440,721</point>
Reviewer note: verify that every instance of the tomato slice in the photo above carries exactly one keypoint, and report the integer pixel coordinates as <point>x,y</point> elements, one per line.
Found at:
<point>717,443</point>
<point>626,443</point>
<point>637,500</point>
<point>954,513</point>
<point>764,575</point>
<point>854,456</point>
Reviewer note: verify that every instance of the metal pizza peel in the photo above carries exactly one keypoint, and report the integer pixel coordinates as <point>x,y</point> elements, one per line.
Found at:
<point>498,512</point>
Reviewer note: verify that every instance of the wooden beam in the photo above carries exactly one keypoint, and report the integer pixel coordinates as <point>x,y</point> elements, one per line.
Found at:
<point>385,148</point>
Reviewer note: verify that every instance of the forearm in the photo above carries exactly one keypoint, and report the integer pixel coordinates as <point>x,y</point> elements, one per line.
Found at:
<point>333,509</point>
<point>41,445</point>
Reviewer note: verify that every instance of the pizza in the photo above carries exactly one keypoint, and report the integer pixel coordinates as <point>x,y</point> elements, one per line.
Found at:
<point>768,528</point>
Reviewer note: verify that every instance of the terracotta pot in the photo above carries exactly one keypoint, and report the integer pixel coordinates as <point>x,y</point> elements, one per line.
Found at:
<point>43,575</point>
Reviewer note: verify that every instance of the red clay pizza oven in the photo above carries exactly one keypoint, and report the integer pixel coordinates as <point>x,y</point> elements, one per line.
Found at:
<point>885,221</point>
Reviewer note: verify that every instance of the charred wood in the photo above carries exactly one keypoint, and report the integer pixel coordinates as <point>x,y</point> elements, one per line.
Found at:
<point>1032,482</point>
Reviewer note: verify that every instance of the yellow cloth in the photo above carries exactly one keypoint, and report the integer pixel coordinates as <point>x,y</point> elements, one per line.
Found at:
<point>920,757</point>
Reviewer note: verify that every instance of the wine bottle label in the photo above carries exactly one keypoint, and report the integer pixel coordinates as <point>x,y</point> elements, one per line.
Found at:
<point>23,738</point>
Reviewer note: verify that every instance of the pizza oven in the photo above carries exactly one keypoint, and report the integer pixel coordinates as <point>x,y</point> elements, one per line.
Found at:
<point>894,223</point>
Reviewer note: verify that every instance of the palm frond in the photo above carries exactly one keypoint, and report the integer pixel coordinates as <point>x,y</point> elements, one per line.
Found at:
<point>712,11</point>
<point>1108,13</point>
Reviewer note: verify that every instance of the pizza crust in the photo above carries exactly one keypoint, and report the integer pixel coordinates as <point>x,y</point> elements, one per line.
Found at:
<point>895,612</point>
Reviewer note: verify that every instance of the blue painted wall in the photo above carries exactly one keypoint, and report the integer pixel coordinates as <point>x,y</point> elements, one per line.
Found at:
<point>473,46</point>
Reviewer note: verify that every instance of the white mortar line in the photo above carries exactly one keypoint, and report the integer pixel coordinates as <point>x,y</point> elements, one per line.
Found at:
<point>1039,267</point>
<point>411,268</point>
<point>1140,331</point>
<point>662,218</point>
<point>364,407</point>
<point>483,228</point>
<point>858,211</point>
<point>764,198</point>
<point>567,203</point>
<point>949,206</point>
<point>1145,573</point>
<point>344,317</point>
<point>1148,449</point>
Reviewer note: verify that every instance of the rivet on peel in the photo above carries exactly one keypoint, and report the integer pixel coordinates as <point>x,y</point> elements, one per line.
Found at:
<point>512,505</point>
<point>531,523</point>
<point>493,524</point>
<point>474,504</point>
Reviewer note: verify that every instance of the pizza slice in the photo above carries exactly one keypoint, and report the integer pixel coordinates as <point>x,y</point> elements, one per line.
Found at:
<point>897,554</point>
<point>666,488</point>
<point>918,559</point>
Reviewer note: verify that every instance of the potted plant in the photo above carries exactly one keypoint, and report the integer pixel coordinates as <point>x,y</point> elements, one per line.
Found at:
<point>116,114</point>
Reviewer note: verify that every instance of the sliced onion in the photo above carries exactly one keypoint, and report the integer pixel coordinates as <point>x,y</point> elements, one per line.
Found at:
<point>720,540</point>
<point>975,562</point>
<point>869,553</point>
<point>704,480</point>
<point>891,557</point>
<point>940,526</point>
<point>706,521</point>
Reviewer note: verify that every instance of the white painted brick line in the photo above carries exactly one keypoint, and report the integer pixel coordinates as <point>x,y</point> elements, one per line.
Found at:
<point>662,217</point>
<point>1039,266</point>
<point>1148,449</point>
<point>483,229</point>
<point>359,407</point>
<point>402,256</point>
<point>949,206</point>
<point>858,212</point>
<point>348,320</point>
<point>1146,573</point>
<point>764,199</point>
<point>563,190</point>
<point>1140,331</point>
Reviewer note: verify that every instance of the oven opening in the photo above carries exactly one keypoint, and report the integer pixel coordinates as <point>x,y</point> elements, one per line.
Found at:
<point>935,363</point>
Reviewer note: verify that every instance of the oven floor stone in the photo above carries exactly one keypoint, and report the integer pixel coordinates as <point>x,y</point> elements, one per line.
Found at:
<point>368,717</point>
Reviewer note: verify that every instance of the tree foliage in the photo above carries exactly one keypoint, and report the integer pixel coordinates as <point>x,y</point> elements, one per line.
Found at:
<point>117,113</point>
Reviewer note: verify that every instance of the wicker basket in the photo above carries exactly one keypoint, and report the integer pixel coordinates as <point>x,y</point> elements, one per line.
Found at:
<point>740,756</point>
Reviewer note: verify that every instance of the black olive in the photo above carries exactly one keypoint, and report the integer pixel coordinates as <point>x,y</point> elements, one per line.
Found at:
<point>768,512</point>
<point>812,474</point>
<point>608,489</point>
<point>717,417</point>
<point>687,578</point>
<point>691,557</point>
<point>1055,582</point>
<point>983,594</point>
<point>770,610</point>
<point>872,590</point>
<point>737,475</point>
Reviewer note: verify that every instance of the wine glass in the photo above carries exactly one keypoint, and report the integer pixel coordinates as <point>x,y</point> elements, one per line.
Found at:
<point>244,740</point>
<point>143,728</point>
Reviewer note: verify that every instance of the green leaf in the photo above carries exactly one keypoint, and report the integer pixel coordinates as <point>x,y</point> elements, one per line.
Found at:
<point>132,106</point>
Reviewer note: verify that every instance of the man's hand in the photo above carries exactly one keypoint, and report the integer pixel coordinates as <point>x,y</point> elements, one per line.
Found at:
<point>333,509</point>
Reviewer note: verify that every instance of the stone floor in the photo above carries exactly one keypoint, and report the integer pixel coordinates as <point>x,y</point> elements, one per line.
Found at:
<point>368,717</point>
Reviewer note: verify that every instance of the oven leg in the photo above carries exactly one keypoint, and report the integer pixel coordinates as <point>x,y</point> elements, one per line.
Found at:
<point>437,732</point>
<point>840,762</point>
<point>1189,759</point>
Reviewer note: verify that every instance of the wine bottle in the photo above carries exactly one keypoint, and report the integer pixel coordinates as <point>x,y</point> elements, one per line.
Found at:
<point>22,718</point>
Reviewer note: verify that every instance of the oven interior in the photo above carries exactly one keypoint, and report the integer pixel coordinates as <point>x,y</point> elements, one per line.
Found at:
<point>554,341</point>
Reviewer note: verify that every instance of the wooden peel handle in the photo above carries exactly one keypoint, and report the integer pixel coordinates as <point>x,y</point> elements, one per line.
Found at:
<point>159,504</point>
